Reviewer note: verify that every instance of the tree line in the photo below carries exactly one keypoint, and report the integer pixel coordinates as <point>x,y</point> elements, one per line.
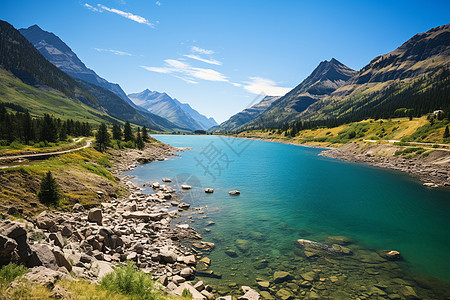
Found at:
<point>23,128</point>
<point>121,138</point>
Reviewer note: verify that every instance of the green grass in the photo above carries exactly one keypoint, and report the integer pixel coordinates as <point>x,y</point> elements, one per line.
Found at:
<point>39,102</point>
<point>10,272</point>
<point>128,280</point>
<point>412,150</point>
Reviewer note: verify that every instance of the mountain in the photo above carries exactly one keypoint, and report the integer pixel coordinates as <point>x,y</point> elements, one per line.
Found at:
<point>204,121</point>
<point>413,77</point>
<point>235,122</point>
<point>325,79</point>
<point>163,105</point>
<point>59,54</point>
<point>22,59</point>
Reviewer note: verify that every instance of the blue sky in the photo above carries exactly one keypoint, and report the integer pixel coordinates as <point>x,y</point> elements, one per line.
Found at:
<point>218,55</point>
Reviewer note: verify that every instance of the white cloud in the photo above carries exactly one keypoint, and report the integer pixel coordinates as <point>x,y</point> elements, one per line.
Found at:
<point>236,84</point>
<point>158,3</point>
<point>188,72</point>
<point>208,61</point>
<point>90,7</point>
<point>116,52</point>
<point>186,79</point>
<point>200,50</point>
<point>121,13</point>
<point>259,86</point>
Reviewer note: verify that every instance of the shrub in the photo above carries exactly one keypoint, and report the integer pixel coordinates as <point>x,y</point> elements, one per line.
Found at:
<point>10,272</point>
<point>186,294</point>
<point>130,281</point>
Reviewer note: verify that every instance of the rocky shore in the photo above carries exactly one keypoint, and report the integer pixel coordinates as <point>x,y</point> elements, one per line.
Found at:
<point>433,169</point>
<point>88,243</point>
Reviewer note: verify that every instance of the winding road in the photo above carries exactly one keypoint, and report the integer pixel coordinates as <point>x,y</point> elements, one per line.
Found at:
<point>40,155</point>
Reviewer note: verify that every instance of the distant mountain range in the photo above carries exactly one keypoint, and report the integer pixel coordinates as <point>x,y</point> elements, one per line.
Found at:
<point>178,113</point>
<point>414,77</point>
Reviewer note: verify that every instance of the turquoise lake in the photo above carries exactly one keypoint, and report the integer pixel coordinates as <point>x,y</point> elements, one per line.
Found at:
<point>288,192</point>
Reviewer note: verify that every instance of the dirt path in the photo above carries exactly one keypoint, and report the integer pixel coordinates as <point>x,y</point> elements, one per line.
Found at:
<point>40,155</point>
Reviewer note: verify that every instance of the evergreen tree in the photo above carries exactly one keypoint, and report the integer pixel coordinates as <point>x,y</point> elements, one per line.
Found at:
<point>127,133</point>
<point>49,193</point>
<point>102,138</point>
<point>145,136</point>
<point>48,130</point>
<point>27,128</point>
<point>116,132</point>
<point>446,132</point>
<point>139,142</point>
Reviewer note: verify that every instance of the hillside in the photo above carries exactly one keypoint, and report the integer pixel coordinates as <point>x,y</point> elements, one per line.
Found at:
<point>413,77</point>
<point>326,78</point>
<point>235,122</point>
<point>60,54</point>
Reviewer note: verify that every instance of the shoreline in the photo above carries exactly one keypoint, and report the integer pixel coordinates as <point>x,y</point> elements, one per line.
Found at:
<point>432,171</point>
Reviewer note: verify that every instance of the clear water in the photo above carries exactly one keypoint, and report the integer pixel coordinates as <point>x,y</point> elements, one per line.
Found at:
<point>289,192</point>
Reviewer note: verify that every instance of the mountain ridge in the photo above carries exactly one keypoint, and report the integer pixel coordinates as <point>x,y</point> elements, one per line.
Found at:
<point>163,105</point>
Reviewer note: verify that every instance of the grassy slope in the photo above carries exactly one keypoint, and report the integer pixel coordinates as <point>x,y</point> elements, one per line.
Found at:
<point>39,102</point>
<point>418,129</point>
<point>80,175</point>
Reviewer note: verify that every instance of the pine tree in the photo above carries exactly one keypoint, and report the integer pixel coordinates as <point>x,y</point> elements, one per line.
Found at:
<point>127,133</point>
<point>145,136</point>
<point>446,132</point>
<point>139,142</point>
<point>116,132</point>
<point>49,193</point>
<point>102,138</point>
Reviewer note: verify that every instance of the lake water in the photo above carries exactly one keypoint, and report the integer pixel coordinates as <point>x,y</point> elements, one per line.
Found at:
<point>288,193</point>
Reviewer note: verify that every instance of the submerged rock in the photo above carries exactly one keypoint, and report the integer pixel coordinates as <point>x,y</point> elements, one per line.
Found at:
<point>281,276</point>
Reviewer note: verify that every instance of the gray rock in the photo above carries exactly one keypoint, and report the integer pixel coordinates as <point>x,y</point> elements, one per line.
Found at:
<point>209,190</point>
<point>7,250</point>
<point>77,207</point>
<point>57,239</point>
<point>95,215</point>
<point>186,272</point>
<point>61,260</point>
<point>42,256</point>
<point>178,279</point>
<point>199,286</point>
<point>66,231</point>
<point>45,276</point>
<point>250,294</point>
<point>101,268</point>
<point>167,256</point>
<point>234,193</point>
<point>43,221</point>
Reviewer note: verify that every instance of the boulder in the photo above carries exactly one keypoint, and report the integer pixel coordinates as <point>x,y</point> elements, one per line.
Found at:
<point>167,256</point>
<point>66,231</point>
<point>263,285</point>
<point>43,221</point>
<point>144,216</point>
<point>178,279</point>
<point>207,294</point>
<point>249,294</point>
<point>196,295</point>
<point>199,286</point>
<point>186,273</point>
<point>61,260</point>
<point>188,260</point>
<point>186,187</point>
<point>166,180</point>
<point>7,250</point>
<point>209,190</point>
<point>284,294</point>
<point>281,276</point>
<point>45,276</point>
<point>77,207</point>
<point>310,276</point>
<point>95,216</point>
<point>57,239</point>
<point>101,268</point>
<point>42,256</point>
<point>391,254</point>
<point>234,193</point>
<point>183,206</point>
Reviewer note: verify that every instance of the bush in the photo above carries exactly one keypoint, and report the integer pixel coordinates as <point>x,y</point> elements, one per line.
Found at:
<point>130,281</point>
<point>10,272</point>
<point>186,294</point>
<point>16,145</point>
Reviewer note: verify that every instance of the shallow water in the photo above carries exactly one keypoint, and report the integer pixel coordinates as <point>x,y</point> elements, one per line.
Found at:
<point>289,192</point>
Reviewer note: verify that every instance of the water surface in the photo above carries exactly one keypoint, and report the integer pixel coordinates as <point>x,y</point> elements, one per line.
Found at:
<point>289,192</point>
